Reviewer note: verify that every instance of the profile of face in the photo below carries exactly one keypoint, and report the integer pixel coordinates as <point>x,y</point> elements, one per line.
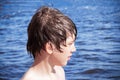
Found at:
<point>61,58</point>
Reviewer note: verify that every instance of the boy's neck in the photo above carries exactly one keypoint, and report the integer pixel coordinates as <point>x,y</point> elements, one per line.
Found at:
<point>43,64</point>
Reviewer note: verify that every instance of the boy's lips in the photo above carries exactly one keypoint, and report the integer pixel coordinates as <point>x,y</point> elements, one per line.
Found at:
<point>69,57</point>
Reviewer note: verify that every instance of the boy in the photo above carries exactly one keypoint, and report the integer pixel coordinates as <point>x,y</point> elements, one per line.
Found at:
<point>51,37</point>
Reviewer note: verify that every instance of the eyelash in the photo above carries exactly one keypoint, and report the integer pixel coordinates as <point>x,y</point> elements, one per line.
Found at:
<point>70,43</point>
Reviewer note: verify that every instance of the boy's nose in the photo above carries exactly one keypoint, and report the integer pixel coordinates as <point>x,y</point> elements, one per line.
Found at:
<point>73,48</point>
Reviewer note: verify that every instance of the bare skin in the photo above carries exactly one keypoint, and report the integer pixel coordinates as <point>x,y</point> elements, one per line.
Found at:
<point>48,64</point>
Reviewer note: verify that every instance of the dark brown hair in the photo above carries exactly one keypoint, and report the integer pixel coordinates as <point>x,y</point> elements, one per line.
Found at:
<point>48,25</point>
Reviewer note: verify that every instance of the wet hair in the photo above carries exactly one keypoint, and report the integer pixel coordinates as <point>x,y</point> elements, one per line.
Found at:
<point>48,25</point>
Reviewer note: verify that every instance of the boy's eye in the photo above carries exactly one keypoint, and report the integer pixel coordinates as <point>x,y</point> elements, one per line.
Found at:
<point>70,44</point>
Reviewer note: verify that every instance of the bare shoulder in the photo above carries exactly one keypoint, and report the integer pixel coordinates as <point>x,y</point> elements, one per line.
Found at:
<point>29,75</point>
<point>60,72</point>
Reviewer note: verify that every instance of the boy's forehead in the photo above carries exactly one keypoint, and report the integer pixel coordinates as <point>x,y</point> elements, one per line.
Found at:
<point>71,38</point>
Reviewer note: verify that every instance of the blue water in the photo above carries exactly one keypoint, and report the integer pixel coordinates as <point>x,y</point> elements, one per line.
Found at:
<point>98,41</point>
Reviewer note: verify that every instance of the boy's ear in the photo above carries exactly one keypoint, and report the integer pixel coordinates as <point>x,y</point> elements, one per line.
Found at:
<point>49,47</point>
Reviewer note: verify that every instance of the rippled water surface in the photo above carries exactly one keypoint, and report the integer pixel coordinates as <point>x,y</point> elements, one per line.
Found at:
<point>98,41</point>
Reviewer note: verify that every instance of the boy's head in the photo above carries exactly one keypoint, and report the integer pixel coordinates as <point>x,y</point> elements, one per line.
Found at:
<point>49,25</point>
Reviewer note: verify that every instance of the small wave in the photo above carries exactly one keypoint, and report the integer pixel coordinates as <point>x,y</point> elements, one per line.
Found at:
<point>89,7</point>
<point>116,52</point>
<point>1,52</point>
<point>114,77</point>
<point>93,71</point>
